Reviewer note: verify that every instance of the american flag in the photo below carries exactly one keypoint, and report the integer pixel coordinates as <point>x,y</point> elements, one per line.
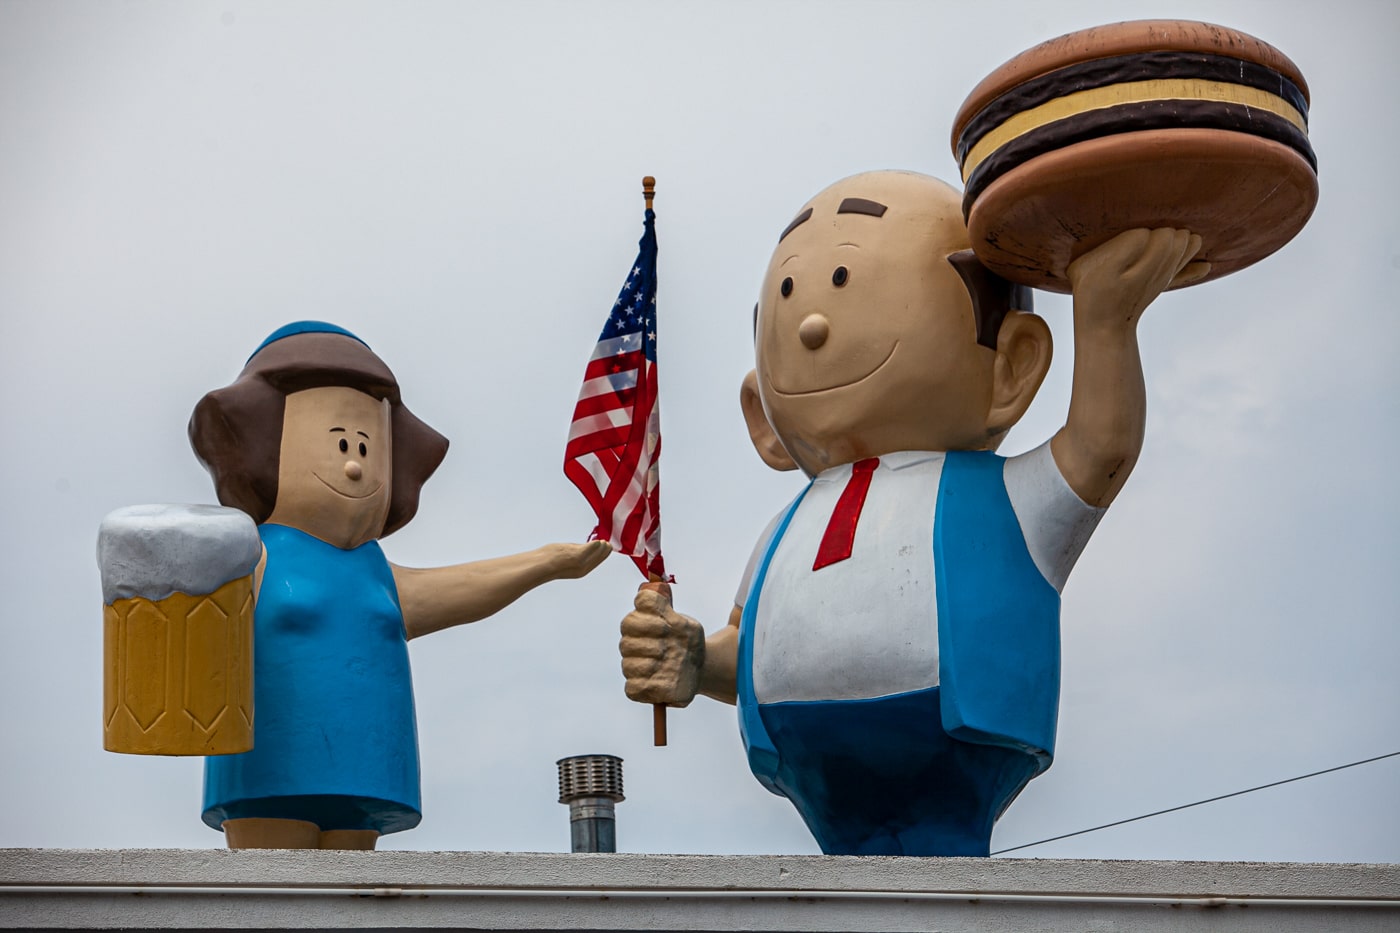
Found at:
<point>615,439</point>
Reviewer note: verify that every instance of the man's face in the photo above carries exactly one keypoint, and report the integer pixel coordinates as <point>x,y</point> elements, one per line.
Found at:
<point>865,338</point>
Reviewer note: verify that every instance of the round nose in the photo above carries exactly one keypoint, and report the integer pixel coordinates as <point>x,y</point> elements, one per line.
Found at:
<point>813,331</point>
<point>352,470</point>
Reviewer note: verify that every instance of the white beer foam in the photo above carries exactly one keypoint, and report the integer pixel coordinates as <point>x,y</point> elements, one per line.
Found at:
<point>153,551</point>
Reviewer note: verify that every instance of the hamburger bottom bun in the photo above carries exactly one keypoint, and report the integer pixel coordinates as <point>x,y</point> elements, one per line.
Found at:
<point>1244,195</point>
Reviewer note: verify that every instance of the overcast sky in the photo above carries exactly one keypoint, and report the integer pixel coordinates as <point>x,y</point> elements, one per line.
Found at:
<point>459,185</point>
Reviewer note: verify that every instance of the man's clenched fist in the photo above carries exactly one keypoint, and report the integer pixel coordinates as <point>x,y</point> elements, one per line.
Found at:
<point>662,650</point>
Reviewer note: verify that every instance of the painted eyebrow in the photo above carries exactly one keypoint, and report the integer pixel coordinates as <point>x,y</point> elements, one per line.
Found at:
<point>363,434</point>
<point>333,430</point>
<point>796,222</point>
<point>862,206</point>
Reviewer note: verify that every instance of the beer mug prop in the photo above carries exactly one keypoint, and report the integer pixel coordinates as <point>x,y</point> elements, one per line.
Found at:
<point>177,589</point>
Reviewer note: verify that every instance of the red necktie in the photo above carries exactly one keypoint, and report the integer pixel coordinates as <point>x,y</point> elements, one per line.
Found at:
<point>841,529</point>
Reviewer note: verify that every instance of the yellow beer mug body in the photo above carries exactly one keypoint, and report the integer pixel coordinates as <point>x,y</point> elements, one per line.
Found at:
<point>177,589</point>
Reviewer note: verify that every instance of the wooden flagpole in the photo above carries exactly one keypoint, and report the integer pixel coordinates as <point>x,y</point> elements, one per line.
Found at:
<point>658,710</point>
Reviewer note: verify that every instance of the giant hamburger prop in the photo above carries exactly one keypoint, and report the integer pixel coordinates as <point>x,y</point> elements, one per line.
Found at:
<point>1157,123</point>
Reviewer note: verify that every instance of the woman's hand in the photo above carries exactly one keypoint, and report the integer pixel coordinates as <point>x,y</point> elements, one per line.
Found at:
<point>577,560</point>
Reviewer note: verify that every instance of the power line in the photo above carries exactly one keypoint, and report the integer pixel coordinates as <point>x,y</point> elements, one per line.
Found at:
<point>1184,806</point>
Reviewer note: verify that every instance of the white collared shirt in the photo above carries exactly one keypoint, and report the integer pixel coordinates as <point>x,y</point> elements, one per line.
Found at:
<point>867,626</point>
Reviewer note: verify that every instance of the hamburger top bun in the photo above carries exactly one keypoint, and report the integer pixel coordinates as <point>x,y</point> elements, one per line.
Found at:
<point>1148,35</point>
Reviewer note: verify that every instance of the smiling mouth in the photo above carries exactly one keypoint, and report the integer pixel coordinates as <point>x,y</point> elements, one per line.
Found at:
<point>879,366</point>
<point>346,494</point>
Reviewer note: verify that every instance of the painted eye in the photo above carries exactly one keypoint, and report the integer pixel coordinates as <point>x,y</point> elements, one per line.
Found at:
<point>344,445</point>
<point>838,278</point>
<point>787,286</point>
<point>363,449</point>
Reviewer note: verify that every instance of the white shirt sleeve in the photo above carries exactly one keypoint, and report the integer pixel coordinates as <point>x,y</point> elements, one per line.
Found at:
<point>742,595</point>
<point>1055,522</point>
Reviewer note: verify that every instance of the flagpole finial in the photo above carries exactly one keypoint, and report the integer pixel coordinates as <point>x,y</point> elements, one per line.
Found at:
<point>648,189</point>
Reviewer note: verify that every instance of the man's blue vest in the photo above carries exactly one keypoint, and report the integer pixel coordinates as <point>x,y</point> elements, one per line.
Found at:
<point>998,623</point>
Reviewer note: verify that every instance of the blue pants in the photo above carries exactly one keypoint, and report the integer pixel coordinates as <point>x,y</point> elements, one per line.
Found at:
<point>881,777</point>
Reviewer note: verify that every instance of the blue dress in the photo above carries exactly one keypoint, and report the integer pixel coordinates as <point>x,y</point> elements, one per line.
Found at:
<point>335,741</point>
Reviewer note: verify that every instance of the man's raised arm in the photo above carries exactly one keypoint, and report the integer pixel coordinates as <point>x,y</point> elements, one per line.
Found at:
<point>1112,285</point>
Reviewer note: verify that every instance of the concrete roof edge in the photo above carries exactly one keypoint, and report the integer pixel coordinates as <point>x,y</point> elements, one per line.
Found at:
<point>541,871</point>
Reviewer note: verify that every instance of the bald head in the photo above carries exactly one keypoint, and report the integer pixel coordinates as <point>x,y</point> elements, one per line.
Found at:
<point>865,334</point>
<point>925,199</point>
<point>918,198</point>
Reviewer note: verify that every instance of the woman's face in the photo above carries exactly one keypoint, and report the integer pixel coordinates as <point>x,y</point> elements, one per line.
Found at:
<point>333,478</point>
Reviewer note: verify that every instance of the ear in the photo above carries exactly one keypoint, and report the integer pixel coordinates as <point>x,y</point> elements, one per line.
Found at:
<point>1024,348</point>
<point>765,439</point>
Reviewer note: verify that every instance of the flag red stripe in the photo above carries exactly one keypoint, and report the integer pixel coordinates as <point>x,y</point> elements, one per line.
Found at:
<point>596,404</point>
<point>584,481</point>
<point>614,440</point>
<point>617,363</point>
<point>636,440</point>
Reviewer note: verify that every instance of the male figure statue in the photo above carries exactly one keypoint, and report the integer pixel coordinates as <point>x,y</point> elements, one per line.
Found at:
<point>894,645</point>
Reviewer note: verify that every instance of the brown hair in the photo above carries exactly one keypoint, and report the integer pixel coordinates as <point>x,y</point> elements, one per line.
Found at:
<point>236,431</point>
<point>993,297</point>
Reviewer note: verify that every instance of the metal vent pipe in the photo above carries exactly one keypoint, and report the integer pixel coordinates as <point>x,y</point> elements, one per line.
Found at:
<point>591,785</point>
